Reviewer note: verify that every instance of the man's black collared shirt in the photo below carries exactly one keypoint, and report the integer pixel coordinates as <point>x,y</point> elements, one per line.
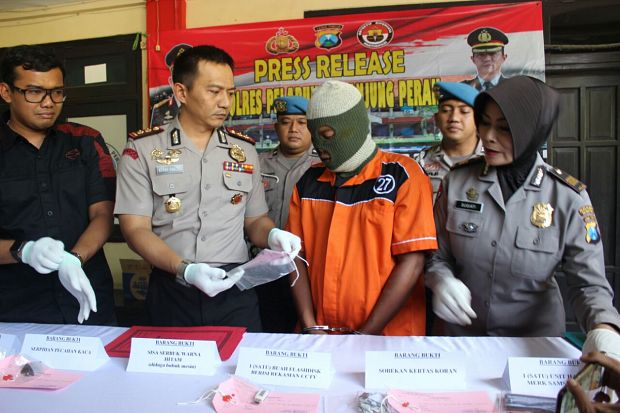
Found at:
<point>46,192</point>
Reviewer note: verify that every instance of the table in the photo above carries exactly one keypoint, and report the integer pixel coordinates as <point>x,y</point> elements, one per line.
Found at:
<point>112,389</point>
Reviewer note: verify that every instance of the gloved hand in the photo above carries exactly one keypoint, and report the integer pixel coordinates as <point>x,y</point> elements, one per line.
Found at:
<point>452,301</point>
<point>603,340</point>
<point>73,278</point>
<point>210,280</point>
<point>44,254</point>
<point>279,240</point>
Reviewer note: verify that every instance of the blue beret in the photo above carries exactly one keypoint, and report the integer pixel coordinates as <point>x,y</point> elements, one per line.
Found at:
<point>458,91</point>
<point>290,105</point>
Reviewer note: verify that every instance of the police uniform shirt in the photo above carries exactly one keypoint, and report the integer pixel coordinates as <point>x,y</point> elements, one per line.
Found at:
<point>216,192</point>
<point>507,253</point>
<point>46,192</point>
<point>279,179</point>
<point>437,164</point>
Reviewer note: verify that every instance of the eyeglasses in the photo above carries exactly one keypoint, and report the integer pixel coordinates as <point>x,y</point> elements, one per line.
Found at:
<point>37,94</point>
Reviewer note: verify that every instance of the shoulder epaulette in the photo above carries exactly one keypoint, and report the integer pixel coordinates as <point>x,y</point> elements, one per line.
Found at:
<point>145,132</point>
<point>239,135</point>
<point>470,161</point>
<point>568,179</point>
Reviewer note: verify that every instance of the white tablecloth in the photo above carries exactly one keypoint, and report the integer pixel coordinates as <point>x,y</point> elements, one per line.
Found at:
<point>112,389</point>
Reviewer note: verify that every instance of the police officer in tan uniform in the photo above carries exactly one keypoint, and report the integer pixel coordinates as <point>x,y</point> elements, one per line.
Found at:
<point>455,120</point>
<point>505,222</point>
<point>280,170</point>
<point>187,193</point>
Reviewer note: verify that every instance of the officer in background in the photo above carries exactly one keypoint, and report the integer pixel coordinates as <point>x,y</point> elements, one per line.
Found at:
<point>281,169</point>
<point>164,104</point>
<point>455,120</point>
<point>187,193</point>
<point>487,48</point>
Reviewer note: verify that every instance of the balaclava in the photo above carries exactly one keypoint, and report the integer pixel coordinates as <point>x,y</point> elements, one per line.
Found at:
<point>530,108</point>
<point>340,106</point>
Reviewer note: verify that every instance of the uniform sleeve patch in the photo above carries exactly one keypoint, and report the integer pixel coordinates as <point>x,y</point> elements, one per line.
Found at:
<point>131,153</point>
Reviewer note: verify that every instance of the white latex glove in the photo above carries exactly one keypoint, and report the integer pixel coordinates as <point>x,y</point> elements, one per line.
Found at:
<point>73,278</point>
<point>279,240</point>
<point>210,280</point>
<point>44,254</point>
<point>601,339</point>
<point>452,301</point>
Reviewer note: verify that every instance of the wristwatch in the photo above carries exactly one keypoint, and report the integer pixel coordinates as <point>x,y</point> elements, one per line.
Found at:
<point>180,274</point>
<point>16,249</point>
<point>78,256</point>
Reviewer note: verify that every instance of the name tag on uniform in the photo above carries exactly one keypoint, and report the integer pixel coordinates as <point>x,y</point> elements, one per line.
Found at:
<point>169,169</point>
<point>470,206</point>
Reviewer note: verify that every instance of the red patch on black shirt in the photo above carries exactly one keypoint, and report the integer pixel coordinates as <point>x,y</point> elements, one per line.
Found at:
<point>73,154</point>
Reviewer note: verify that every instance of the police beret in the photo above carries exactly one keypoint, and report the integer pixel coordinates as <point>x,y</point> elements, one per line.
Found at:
<point>175,51</point>
<point>459,91</point>
<point>290,105</point>
<point>486,39</point>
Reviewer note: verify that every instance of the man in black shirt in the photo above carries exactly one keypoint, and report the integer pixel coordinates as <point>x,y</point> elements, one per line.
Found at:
<point>56,201</point>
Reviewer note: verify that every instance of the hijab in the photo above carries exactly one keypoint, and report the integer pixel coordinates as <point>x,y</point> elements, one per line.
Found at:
<point>530,108</point>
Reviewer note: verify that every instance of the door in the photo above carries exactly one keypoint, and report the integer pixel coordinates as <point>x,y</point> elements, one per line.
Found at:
<point>585,143</point>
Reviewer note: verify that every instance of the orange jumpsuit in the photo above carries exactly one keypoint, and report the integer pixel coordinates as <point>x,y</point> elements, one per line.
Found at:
<point>350,235</point>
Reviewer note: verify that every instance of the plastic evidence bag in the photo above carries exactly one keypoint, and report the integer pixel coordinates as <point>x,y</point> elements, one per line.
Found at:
<point>267,266</point>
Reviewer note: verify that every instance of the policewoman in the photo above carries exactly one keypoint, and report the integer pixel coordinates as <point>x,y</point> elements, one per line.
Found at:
<point>504,223</point>
<point>187,194</point>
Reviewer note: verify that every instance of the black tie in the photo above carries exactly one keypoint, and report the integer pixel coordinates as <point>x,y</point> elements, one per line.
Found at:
<point>487,85</point>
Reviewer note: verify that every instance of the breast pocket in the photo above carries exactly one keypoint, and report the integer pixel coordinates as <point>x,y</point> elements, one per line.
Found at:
<point>237,181</point>
<point>464,228</point>
<point>536,254</point>
<point>164,187</point>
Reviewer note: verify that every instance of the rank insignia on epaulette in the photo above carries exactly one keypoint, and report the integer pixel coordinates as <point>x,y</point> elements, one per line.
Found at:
<point>141,133</point>
<point>568,179</point>
<point>239,135</point>
<point>247,168</point>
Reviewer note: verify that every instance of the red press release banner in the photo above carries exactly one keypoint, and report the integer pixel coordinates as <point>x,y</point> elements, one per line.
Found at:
<point>393,58</point>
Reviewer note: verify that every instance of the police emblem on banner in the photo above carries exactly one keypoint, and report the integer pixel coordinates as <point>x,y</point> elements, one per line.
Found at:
<point>375,34</point>
<point>328,36</point>
<point>282,43</point>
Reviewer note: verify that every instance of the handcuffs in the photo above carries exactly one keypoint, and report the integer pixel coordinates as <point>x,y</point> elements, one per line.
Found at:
<point>328,329</point>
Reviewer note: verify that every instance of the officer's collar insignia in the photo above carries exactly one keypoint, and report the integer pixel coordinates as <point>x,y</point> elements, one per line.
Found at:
<point>175,137</point>
<point>472,194</point>
<point>542,215</point>
<point>222,137</point>
<point>538,177</point>
<point>145,132</point>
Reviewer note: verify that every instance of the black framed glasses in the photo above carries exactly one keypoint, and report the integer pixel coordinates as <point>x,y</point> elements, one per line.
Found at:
<point>38,94</point>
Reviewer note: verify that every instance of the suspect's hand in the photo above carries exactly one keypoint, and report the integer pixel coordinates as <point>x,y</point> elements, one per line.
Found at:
<point>279,240</point>
<point>44,254</point>
<point>210,280</point>
<point>73,278</point>
<point>452,301</point>
<point>611,379</point>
